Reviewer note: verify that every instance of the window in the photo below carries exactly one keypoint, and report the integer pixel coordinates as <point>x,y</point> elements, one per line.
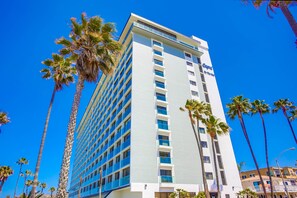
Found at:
<point>159,73</point>
<point>252,175</point>
<point>206,97</point>
<point>202,130</point>
<point>162,110</point>
<point>200,69</point>
<point>220,162</point>
<point>206,159</point>
<point>188,55</point>
<point>162,124</point>
<point>198,60</point>
<point>193,83</point>
<point>160,84</point>
<point>204,87</point>
<point>189,64</point>
<point>202,77</point>
<point>223,178</point>
<point>157,52</point>
<point>243,176</point>
<point>165,172</point>
<point>191,73</point>
<point>117,176</point>
<point>126,172</point>
<point>126,154</point>
<point>217,148</point>
<point>227,196</point>
<point>158,62</point>
<point>203,144</point>
<point>194,93</point>
<point>161,96</point>
<point>208,175</point>
<point>157,43</point>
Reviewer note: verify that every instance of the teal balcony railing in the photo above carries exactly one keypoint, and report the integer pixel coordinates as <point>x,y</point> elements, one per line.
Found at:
<point>164,142</point>
<point>116,166</point>
<point>125,161</point>
<point>116,183</point>
<point>125,180</point>
<point>165,160</point>
<point>166,179</point>
<point>126,143</point>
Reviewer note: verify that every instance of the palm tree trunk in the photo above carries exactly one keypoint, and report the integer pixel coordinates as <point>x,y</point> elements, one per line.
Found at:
<point>284,8</point>
<point>26,190</point>
<point>16,185</point>
<point>1,184</point>
<point>37,167</point>
<point>252,152</point>
<point>25,179</point>
<point>216,166</point>
<point>198,141</point>
<point>266,155</point>
<point>64,173</point>
<point>290,124</point>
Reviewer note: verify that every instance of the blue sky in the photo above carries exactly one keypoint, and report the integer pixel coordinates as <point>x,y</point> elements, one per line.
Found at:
<point>252,55</point>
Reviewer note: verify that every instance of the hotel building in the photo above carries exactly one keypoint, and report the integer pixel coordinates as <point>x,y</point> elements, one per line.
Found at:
<point>133,130</point>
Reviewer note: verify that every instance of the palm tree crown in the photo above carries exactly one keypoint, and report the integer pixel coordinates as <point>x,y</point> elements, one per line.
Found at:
<point>91,46</point>
<point>239,106</point>
<point>22,161</point>
<point>284,105</point>
<point>3,118</point>
<point>5,172</point>
<point>259,106</point>
<point>293,115</point>
<point>215,126</point>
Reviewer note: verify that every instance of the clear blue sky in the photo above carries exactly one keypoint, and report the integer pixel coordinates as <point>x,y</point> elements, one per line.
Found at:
<point>251,53</point>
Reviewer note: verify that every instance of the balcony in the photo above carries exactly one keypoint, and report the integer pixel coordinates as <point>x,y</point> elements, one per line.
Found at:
<point>126,144</point>
<point>125,161</point>
<point>165,160</point>
<point>166,179</point>
<point>116,183</point>
<point>125,180</point>
<point>164,142</point>
<point>116,166</point>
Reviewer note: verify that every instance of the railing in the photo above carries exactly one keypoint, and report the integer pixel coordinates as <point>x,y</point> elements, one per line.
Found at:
<point>161,97</point>
<point>116,166</point>
<point>163,126</point>
<point>166,179</point>
<point>125,180</point>
<point>117,150</point>
<point>164,142</point>
<point>162,111</point>
<point>165,160</point>
<point>160,85</point>
<point>125,161</point>
<point>142,26</point>
<point>159,73</point>
<point>126,143</point>
<point>277,188</point>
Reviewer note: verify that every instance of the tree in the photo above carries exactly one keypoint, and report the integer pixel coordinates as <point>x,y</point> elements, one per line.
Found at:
<point>180,193</point>
<point>240,165</point>
<point>283,5</point>
<point>42,186</point>
<point>22,161</point>
<point>52,190</point>
<point>260,107</point>
<point>5,172</point>
<point>237,108</point>
<point>285,105</point>
<point>27,174</point>
<point>28,184</point>
<point>196,110</point>
<point>93,49</point>
<point>3,119</point>
<point>38,195</point>
<point>293,115</point>
<point>60,70</point>
<point>247,193</point>
<point>215,127</point>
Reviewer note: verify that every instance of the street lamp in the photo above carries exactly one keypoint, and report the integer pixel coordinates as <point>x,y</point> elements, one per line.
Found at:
<point>276,160</point>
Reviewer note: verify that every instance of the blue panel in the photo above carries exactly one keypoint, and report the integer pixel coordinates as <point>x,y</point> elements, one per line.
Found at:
<point>173,51</point>
<point>143,40</point>
<point>195,59</point>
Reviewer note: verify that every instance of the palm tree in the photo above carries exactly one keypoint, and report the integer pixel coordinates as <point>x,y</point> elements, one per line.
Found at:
<point>240,166</point>
<point>42,186</point>
<point>61,71</point>
<point>293,115</point>
<point>5,172</point>
<point>28,184</point>
<point>285,105</point>
<point>247,193</point>
<point>195,111</point>
<point>22,161</point>
<point>93,49</point>
<point>259,106</point>
<point>237,108</point>
<point>27,174</point>
<point>52,190</point>
<point>215,127</point>
<point>3,119</point>
<point>283,5</point>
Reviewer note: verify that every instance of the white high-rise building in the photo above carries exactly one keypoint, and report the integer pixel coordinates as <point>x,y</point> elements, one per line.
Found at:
<point>133,129</point>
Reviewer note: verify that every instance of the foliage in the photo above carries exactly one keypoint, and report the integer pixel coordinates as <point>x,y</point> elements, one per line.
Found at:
<point>200,195</point>
<point>37,195</point>
<point>5,172</point>
<point>240,166</point>
<point>247,193</point>
<point>293,115</point>
<point>4,118</point>
<point>215,126</point>
<point>180,193</point>
<point>238,107</point>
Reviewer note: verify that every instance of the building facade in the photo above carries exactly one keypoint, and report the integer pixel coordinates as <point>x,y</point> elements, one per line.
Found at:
<point>250,179</point>
<point>133,131</point>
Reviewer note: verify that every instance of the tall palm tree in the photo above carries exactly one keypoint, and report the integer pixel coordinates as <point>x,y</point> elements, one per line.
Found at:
<point>52,190</point>
<point>260,107</point>
<point>42,186</point>
<point>28,184</point>
<point>215,127</point>
<point>240,166</point>
<point>293,115</point>
<point>237,108</point>
<point>93,49</point>
<point>285,105</point>
<point>60,70</point>
<point>283,5</point>
<point>3,119</point>
<point>5,172</point>
<point>22,161</point>
<point>196,110</point>
<point>27,174</point>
